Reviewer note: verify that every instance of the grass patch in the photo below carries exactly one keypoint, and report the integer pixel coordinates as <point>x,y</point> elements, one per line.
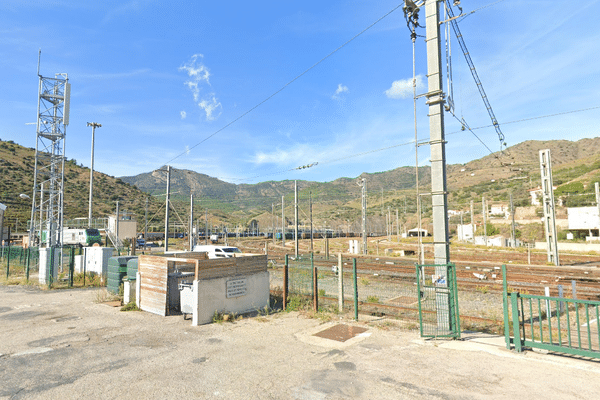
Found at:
<point>131,306</point>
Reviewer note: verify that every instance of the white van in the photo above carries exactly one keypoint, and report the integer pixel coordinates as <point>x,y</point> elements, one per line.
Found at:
<point>218,251</point>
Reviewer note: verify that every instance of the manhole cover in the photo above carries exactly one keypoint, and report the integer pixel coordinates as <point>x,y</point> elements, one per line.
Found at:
<point>341,332</point>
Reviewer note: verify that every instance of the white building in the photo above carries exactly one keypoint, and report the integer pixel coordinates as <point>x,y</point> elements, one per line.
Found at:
<point>465,232</point>
<point>584,219</point>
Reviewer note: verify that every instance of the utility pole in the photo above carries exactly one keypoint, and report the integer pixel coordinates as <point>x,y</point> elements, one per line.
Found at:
<point>191,236</point>
<point>363,183</point>
<point>390,224</point>
<point>206,226</point>
<point>397,227</point>
<point>117,225</point>
<point>282,223</point>
<point>472,222</point>
<point>296,217</point>
<point>512,230</point>
<point>548,204</point>
<point>167,202</point>
<point>273,221</point>
<point>94,125</point>
<point>311,221</point>
<point>597,188</point>
<point>484,213</point>
<point>435,100</point>
<point>146,223</point>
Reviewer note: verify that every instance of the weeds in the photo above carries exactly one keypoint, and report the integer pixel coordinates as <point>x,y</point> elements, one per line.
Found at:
<point>298,303</point>
<point>131,306</point>
<point>103,296</point>
<point>483,289</point>
<point>219,318</point>
<point>372,299</point>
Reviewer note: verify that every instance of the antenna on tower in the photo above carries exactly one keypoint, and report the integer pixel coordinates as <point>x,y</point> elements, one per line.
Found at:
<point>39,57</point>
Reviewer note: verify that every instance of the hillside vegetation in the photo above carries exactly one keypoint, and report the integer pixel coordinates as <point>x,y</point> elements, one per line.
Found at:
<point>576,166</point>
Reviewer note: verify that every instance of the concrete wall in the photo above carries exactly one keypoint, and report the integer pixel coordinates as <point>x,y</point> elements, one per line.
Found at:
<point>212,296</point>
<point>581,247</point>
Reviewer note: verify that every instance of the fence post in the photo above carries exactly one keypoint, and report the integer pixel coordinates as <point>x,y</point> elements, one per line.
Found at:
<point>312,273</point>
<point>561,294</point>
<point>574,289</point>
<point>355,289</point>
<point>505,307</point>
<point>285,282</point>
<point>316,288</point>
<point>8,262</point>
<point>71,266</point>
<point>84,267</point>
<point>516,324</point>
<point>340,283</point>
<point>27,263</point>
<point>51,269</point>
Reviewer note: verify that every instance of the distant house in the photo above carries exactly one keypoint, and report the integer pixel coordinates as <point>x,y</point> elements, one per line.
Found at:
<point>536,196</point>
<point>500,210</point>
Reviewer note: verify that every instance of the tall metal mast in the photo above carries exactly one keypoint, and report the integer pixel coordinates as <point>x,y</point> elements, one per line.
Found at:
<point>48,177</point>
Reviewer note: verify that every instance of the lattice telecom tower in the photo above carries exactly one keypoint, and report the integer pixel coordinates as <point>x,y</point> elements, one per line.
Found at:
<point>48,179</point>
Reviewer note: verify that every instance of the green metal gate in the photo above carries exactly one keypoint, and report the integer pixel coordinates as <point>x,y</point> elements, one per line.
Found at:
<point>552,323</point>
<point>438,300</point>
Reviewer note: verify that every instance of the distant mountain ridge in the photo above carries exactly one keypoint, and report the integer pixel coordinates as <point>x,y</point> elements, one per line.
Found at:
<point>576,165</point>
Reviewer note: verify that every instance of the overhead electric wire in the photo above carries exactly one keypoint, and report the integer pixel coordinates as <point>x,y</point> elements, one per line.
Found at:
<point>284,86</point>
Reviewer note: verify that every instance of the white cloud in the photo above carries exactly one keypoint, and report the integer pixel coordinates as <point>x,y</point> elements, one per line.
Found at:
<point>210,106</point>
<point>340,89</point>
<point>199,75</point>
<point>183,114</point>
<point>403,88</point>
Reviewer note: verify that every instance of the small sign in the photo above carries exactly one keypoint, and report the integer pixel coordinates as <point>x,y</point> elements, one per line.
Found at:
<point>237,287</point>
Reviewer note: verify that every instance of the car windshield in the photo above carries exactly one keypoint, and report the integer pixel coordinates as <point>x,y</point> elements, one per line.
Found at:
<point>231,250</point>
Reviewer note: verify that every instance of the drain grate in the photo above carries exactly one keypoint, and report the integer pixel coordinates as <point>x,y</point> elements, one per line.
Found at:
<point>341,332</point>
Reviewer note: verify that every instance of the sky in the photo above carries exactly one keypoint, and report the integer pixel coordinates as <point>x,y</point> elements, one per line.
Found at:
<point>271,90</point>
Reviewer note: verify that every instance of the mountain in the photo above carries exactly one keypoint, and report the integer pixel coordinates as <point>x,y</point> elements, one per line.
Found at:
<point>576,166</point>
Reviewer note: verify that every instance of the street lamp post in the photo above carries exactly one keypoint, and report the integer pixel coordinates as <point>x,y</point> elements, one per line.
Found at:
<point>94,125</point>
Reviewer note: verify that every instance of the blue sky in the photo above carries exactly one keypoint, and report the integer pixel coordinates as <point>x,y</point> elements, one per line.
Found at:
<point>169,82</point>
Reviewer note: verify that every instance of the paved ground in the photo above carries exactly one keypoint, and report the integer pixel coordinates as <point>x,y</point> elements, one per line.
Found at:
<point>63,344</point>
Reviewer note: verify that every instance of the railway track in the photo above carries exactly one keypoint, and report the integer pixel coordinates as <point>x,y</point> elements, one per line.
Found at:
<point>475,273</point>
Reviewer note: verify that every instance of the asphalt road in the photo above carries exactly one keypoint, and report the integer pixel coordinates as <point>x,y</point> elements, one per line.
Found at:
<point>66,345</point>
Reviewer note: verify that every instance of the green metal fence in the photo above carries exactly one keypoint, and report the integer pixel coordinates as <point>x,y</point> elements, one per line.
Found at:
<point>438,301</point>
<point>552,323</point>
<point>19,261</point>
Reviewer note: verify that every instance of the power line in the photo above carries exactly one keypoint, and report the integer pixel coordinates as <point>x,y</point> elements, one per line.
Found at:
<point>284,86</point>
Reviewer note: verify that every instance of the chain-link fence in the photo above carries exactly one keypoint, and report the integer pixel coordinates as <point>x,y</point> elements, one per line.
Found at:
<point>22,265</point>
<point>380,289</point>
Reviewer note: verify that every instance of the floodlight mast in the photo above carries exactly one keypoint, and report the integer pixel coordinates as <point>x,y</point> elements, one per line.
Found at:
<point>94,125</point>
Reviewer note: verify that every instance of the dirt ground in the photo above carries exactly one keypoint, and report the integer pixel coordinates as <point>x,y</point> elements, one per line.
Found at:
<point>64,344</point>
